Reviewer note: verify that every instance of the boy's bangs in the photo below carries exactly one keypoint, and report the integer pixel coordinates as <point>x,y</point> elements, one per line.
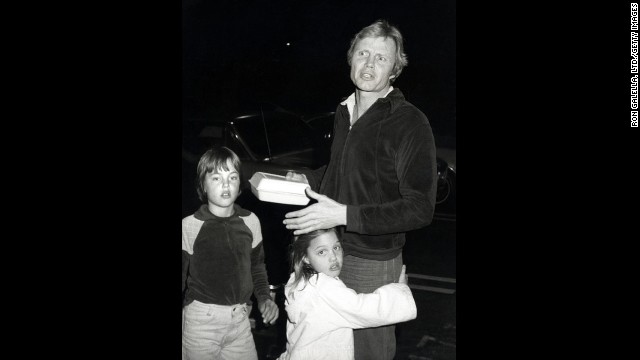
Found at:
<point>221,164</point>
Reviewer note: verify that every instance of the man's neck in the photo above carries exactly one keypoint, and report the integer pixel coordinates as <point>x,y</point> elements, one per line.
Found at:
<point>364,100</point>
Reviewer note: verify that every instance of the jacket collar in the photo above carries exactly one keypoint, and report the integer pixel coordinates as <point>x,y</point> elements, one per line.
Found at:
<point>394,96</point>
<point>204,214</point>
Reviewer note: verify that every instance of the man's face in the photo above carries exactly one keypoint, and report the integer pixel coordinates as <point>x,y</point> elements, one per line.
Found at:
<point>372,62</point>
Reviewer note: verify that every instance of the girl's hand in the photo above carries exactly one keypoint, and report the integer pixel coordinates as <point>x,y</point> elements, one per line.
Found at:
<point>404,279</point>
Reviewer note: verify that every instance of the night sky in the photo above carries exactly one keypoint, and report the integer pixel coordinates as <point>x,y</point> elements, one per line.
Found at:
<point>236,53</point>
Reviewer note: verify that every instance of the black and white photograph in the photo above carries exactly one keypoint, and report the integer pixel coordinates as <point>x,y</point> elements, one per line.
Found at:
<point>306,155</point>
<point>319,180</point>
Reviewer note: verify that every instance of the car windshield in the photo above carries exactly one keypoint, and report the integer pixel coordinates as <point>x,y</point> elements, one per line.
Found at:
<point>286,134</point>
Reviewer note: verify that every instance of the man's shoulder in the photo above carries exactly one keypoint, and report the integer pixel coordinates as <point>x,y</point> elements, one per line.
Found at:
<point>402,107</point>
<point>407,108</point>
<point>407,116</point>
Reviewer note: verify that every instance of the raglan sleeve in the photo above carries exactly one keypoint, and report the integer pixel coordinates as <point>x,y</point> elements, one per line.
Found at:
<point>258,268</point>
<point>187,250</point>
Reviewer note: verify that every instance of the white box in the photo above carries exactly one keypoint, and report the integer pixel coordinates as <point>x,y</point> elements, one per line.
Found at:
<point>274,188</point>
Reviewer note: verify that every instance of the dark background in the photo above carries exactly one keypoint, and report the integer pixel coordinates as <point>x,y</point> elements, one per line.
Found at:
<point>92,147</point>
<point>236,51</point>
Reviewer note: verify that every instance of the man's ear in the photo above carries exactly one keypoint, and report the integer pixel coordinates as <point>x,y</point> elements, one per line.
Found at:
<point>305,260</point>
<point>392,76</point>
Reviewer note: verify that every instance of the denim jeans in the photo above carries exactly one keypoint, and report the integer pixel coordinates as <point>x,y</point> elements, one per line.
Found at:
<point>365,276</point>
<point>217,332</point>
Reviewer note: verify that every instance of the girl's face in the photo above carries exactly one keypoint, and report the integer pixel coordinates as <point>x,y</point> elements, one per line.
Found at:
<point>324,254</point>
<point>222,187</point>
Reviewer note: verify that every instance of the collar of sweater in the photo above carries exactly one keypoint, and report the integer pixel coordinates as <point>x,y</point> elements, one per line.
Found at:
<point>204,214</point>
<point>394,97</point>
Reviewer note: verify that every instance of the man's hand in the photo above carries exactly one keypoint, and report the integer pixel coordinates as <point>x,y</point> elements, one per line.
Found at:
<point>294,176</point>
<point>269,311</point>
<point>324,214</point>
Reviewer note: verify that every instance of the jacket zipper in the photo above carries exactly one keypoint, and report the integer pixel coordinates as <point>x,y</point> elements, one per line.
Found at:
<point>344,146</point>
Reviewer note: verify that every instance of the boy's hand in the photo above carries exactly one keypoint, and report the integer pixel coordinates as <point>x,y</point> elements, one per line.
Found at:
<point>404,279</point>
<point>269,311</point>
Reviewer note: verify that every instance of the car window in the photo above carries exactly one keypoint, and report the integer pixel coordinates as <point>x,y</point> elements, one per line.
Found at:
<point>287,133</point>
<point>232,142</point>
<point>323,125</point>
<point>220,135</point>
<point>252,132</point>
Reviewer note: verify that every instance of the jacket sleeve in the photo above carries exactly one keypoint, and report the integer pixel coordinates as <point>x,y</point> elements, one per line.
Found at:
<point>259,274</point>
<point>389,304</point>
<point>190,229</point>
<point>185,269</point>
<point>416,171</point>
<point>258,269</point>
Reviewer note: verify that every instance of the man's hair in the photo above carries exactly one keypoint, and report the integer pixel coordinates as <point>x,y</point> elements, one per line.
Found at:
<point>382,28</point>
<point>218,157</point>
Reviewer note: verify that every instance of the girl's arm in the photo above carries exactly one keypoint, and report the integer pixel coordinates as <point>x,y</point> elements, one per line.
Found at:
<point>389,304</point>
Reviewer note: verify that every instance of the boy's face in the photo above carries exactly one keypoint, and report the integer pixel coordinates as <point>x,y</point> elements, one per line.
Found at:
<point>222,188</point>
<point>325,254</point>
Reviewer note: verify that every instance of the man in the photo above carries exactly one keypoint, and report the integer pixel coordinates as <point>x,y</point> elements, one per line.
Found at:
<point>381,178</point>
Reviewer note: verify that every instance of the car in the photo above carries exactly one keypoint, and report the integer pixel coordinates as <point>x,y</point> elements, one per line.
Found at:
<point>322,124</point>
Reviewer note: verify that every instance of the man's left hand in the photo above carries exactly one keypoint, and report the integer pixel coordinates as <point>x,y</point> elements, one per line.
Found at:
<point>324,214</point>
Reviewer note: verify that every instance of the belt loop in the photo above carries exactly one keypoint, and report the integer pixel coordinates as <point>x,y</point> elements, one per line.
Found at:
<point>209,310</point>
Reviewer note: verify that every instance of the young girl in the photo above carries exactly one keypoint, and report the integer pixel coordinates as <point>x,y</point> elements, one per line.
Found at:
<point>322,311</point>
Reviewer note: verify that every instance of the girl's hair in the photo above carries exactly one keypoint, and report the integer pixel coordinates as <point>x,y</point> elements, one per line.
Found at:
<point>382,28</point>
<point>218,157</point>
<point>297,254</point>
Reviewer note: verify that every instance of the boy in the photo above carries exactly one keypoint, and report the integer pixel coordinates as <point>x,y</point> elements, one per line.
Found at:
<point>222,264</point>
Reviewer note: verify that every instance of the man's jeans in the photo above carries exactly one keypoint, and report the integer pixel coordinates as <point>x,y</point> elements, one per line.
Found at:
<point>365,276</point>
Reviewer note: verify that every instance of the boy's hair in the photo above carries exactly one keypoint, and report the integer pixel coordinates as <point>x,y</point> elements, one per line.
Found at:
<point>218,157</point>
<point>297,253</point>
<point>382,28</point>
